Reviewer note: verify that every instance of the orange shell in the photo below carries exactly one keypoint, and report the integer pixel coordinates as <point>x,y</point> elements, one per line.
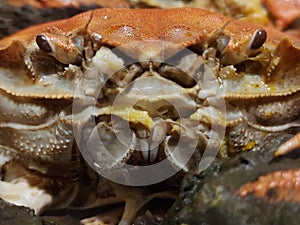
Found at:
<point>181,27</point>
<point>277,186</point>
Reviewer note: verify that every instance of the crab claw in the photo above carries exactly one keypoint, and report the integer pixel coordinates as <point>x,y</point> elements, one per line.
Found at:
<point>288,146</point>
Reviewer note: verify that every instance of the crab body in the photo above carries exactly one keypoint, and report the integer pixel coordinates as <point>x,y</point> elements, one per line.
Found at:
<point>47,62</point>
<point>128,83</point>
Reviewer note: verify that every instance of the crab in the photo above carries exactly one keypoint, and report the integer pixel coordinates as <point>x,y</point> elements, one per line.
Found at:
<point>173,90</point>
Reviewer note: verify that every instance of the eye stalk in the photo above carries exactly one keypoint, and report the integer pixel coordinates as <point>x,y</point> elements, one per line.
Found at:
<point>258,39</point>
<point>241,47</point>
<point>43,43</point>
<point>65,49</point>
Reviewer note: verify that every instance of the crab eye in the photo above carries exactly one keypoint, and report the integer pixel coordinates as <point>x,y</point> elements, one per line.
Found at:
<point>43,43</point>
<point>258,39</point>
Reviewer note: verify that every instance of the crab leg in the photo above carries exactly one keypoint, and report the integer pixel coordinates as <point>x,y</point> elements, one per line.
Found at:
<point>288,146</point>
<point>135,199</point>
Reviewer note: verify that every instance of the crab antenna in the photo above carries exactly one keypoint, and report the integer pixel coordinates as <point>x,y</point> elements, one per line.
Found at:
<point>220,30</point>
<point>89,21</point>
